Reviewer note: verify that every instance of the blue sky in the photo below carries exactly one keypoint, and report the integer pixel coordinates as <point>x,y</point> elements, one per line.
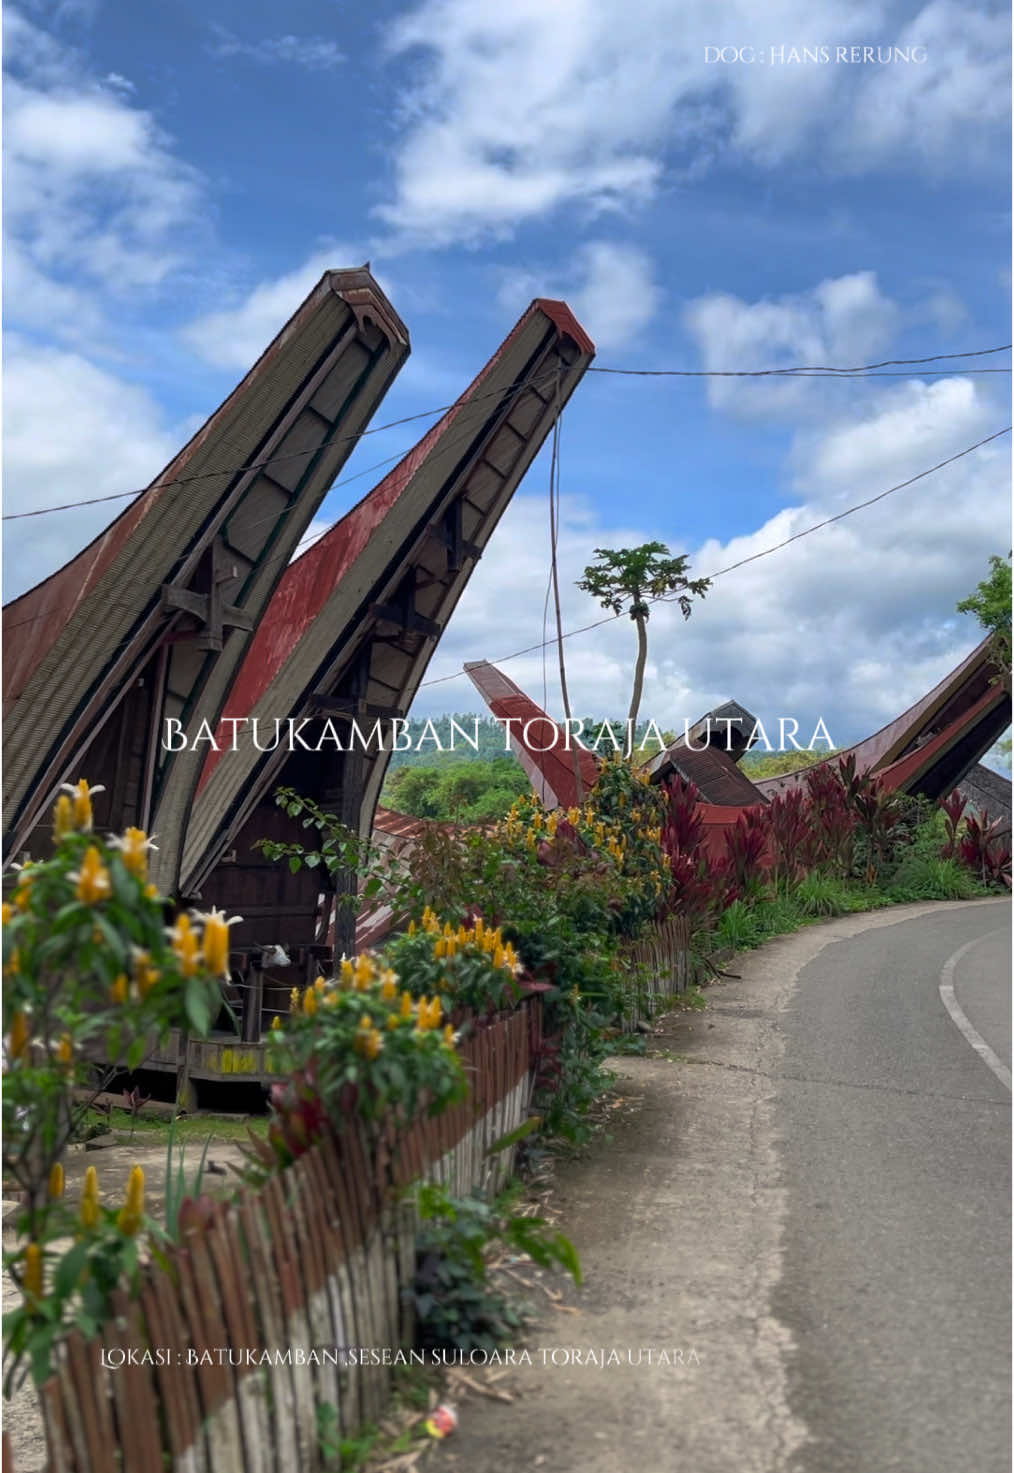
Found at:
<point>179,176</point>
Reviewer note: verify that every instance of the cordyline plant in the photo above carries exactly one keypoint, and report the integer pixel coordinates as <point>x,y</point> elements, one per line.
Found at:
<point>953,808</point>
<point>985,848</point>
<point>94,980</point>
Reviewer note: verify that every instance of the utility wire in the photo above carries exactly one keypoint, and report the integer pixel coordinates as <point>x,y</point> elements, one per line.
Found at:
<point>863,368</point>
<point>449,442</point>
<point>864,371</point>
<point>840,516</point>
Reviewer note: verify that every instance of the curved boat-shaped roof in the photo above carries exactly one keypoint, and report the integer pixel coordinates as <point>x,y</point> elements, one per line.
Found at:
<point>169,594</point>
<point>353,623</point>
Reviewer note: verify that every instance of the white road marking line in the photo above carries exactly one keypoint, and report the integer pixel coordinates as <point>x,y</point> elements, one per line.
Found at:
<point>958,1017</point>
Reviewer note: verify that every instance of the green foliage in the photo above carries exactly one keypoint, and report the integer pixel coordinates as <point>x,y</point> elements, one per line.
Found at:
<point>94,981</point>
<point>359,1045</point>
<point>178,1184</point>
<point>991,605</point>
<point>469,968</point>
<point>759,765</point>
<point>627,578</point>
<point>456,1306</point>
<point>459,792</point>
<point>819,894</point>
<point>930,877</point>
<point>738,928</point>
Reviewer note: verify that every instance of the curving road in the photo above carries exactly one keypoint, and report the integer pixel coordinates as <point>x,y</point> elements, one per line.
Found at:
<point>805,1192</point>
<point>895,1143</point>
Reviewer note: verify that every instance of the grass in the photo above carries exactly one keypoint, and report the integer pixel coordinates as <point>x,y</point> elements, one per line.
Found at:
<point>152,1130</point>
<point>922,875</point>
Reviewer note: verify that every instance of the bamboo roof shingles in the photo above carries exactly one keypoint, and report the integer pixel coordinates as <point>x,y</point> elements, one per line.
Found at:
<point>354,622</point>
<point>189,567</point>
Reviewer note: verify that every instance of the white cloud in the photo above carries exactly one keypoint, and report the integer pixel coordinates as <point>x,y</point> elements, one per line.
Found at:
<point>944,106</point>
<point>843,322</point>
<point>852,623</point>
<point>611,287</point>
<point>95,195</point>
<point>71,431</point>
<point>313,53</point>
<point>511,112</point>
<point>236,336</point>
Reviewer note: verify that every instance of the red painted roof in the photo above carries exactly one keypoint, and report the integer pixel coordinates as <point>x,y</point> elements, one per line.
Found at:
<point>551,772</point>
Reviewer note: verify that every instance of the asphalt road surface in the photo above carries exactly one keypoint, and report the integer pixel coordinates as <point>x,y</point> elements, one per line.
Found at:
<point>894,1137</point>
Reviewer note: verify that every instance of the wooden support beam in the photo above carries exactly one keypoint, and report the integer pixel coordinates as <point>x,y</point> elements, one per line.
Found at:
<point>205,603</point>
<point>328,705</point>
<point>409,619</point>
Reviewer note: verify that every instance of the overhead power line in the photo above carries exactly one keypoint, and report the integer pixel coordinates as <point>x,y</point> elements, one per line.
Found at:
<point>804,369</point>
<point>754,557</point>
<point>862,372</point>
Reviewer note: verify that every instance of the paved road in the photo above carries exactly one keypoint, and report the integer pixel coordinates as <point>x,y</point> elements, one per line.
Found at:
<point>804,1194</point>
<point>895,1144</point>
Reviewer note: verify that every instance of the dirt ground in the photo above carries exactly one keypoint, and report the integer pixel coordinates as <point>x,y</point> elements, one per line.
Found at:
<point>21,1420</point>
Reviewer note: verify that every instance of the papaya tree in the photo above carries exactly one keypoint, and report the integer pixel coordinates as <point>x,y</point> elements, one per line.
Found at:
<point>631,578</point>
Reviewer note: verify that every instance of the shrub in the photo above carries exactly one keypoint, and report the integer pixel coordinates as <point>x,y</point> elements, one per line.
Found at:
<point>737,927</point>
<point>819,894</point>
<point>357,1046</point>
<point>930,877</point>
<point>94,981</point>
<point>456,1306</point>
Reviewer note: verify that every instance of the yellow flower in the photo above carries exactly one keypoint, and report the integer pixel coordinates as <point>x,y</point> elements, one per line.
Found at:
<point>18,1041</point>
<point>393,1020</point>
<point>440,948</point>
<point>23,894</point>
<point>120,988</point>
<point>65,1051</point>
<point>369,1041</point>
<point>389,987</point>
<point>294,1000</point>
<point>33,1272</point>
<point>449,1035</point>
<point>498,955</point>
<point>128,1219</point>
<point>63,817</point>
<point>276,1023</point>
<point>309,1002</point>
<point>365,971</point>
<point>216,944</point>
<point>134,847</point>
<point>412,928</point>
<point>12,966</point>
<point>7,910</point>
<point>145,975</point>
<point>319,986</point>
<point>347,971</point>
<point>93,883</point>
<point>187,946</point>
<point>406,1004</point>
<point>56,1180</point>
<point>151,892</point>
<point>83,804</point>
<point>90,1199</point>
